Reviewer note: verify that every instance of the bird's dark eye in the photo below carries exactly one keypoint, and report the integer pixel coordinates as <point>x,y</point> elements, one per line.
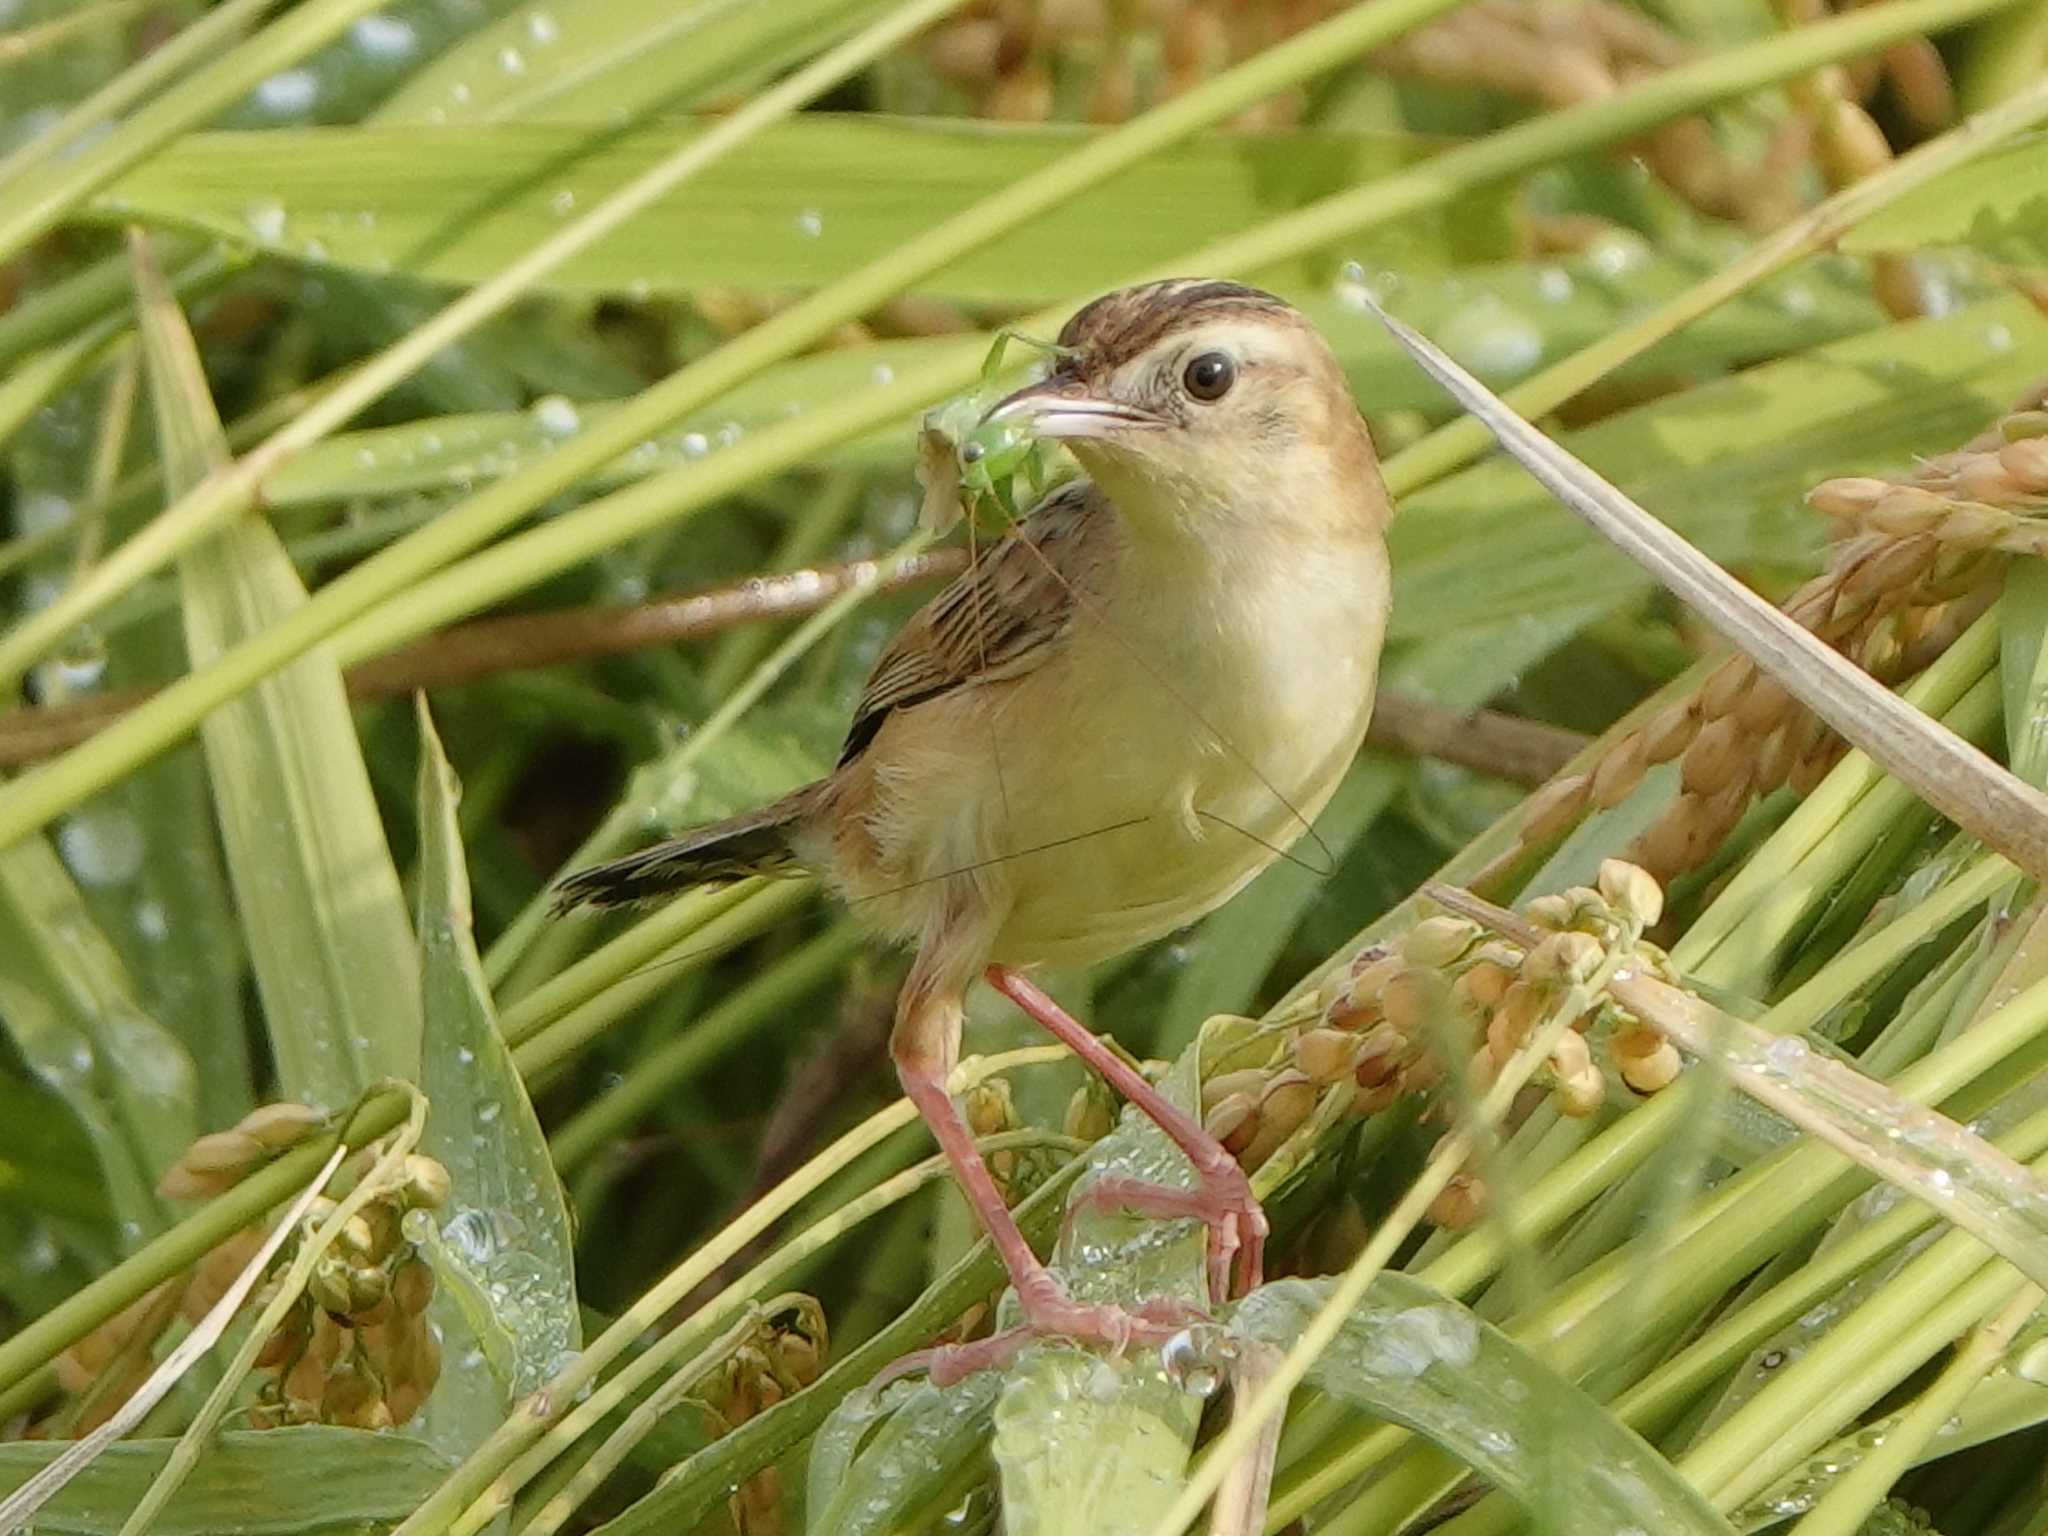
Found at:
<point>1210,376</point>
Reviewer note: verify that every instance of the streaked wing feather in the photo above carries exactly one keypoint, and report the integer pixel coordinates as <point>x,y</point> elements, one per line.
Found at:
<point>997,619</point>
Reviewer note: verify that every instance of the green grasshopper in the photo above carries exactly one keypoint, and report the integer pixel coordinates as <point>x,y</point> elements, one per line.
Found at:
<point>974,468</point>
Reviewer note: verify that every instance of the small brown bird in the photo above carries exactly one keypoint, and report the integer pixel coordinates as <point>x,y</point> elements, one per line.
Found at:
<point>1121,713</point>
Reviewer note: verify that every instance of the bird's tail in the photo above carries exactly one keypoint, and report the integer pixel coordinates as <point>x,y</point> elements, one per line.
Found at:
<point>753,843</point>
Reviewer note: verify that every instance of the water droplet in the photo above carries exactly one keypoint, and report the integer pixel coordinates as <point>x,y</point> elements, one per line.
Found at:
<point>1554,284</point>
<point>1940,1181</point>
<point>1796,299</point>
<point>1998,338</point>
<point>882,373</point>
<point>542,28</point>
<point>512,61</point>
<point>464,1056</point>
<point>469,1235</point>
<point>562,203</point>
<point>811,223</point>
<point>1786,1052</point>
<point>386,37</point>
<point>102,844</point>
<point>151,921</point>
<point>1189,1364</point>
<point>487,1113</point>
<point>1419,1337</point>
<point>266,220</point>
<point>1617,253</point>
<point>39,510</point>
<point>459,93</point>
<point>1492,339</point>
<point>556,415</point>
<point>696,445</point>
<point>289,92</point>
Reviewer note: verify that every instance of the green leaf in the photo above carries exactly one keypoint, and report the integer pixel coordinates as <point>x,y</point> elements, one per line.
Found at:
<point>313,880</point>
<point>1089,1447</point>
<point>612,62</point>
<point>1410,1355</point>
<point>510,1223</point>
<point>306,1480</point>
<point>1996,204</point>
<point>927,1437</point>
<point>70,1009</point>
<point>1084,1443</point>
<point>809,200</point>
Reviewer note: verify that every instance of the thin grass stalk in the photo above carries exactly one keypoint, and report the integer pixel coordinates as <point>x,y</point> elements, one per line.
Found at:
<point>626,953</point>
<point>44,793</point>
<point>1843,1509</point>
<point>532,1417</point>
<point>235,488</point>
<point>40,199</point>
<point>1938,1297</point>
<point>207,35</point>
<point>657,1073</point>
<point>767,907</point>
<point>1971,789</point>
<point>615,1447</point>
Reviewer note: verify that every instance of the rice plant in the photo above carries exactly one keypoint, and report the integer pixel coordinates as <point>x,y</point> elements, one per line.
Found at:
<point>450,442</point>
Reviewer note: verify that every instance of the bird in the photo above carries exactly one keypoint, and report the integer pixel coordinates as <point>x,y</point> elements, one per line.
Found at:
<point>1121,712</point>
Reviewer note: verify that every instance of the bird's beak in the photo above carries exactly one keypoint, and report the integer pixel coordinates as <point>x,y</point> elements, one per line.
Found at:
<point>1062,407</point>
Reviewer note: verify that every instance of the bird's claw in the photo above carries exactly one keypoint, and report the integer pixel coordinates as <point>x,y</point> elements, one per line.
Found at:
<point>1222,1201</point>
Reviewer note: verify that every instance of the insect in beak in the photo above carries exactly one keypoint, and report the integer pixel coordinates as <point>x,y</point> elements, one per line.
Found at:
<point>1060,407</point>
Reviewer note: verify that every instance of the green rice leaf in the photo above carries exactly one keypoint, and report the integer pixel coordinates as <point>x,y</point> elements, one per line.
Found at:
<point>1088,1444</point>
<point>509,1224</point>
<point>927,1437</point>
<point>313,879</point>
<point>69,1008</point>
<point>305,1480</point>
<point>807,201</point>
<point>612,62</point>
<point>1412,1356</point>
<point>1997,204</point>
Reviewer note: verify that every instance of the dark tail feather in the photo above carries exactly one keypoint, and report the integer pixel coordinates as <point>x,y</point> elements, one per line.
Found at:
<point>754,843</point>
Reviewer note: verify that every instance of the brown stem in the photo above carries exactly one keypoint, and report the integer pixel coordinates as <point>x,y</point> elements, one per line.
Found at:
<point>1521,751</point>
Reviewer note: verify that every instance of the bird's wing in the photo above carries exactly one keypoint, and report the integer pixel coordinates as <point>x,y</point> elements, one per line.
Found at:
<point>998,619</point>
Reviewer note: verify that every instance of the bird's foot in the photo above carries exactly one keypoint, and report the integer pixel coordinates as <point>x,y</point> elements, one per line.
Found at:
<point>1051,1313</point>
<point>1222,1201</point>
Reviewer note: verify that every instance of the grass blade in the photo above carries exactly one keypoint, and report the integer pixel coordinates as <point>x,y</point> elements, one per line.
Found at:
<point>313,879</point>
<point>1411,1355</point>
<point>508,1205</point>
<point>272,1482</point>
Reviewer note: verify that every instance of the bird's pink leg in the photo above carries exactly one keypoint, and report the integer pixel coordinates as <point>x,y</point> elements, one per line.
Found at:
<point>1222,1198</point>
<point>925,1043</point>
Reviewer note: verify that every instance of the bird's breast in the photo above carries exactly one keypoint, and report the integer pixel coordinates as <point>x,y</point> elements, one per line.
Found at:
<point>1204,730</point>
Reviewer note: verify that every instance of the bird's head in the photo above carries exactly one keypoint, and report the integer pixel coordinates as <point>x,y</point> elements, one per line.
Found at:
<point>1202,399</point>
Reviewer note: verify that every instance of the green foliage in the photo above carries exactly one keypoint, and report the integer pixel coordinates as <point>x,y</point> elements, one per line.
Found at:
<point>1681,1314</point>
